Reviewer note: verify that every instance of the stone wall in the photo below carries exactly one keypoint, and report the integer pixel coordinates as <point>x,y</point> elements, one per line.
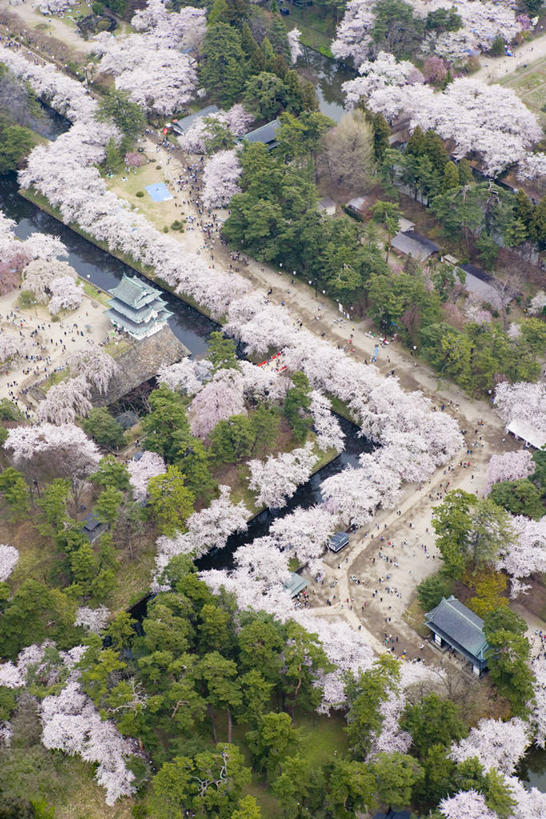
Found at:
<point>140,363</point>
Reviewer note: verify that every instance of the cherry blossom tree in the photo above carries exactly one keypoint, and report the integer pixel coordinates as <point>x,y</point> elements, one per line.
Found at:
<point>510,466</point>
<point>133,159</point>
<point>156,76</point>
<point>497,744</point>
<point>39,275</point>
<point>71,723</point>
<point>538,303</point>
<point>538,717</point>
<point>53,449</point>
<point>238,119</point>
<point>355,493</point>
<point>380,73</point>
<point>64,94</point>
<point>482,22</point>
<point>487,119</point>
<point>196,138</point>
<point>9,557</point>
<point>304,532</point>
<point>184,29</point>
<point>294,44</point>
<point>186,376</point>
<point>476,314</point>
<point>466,805</point>
<point>405,453</point>
<point>271,328</point>
<point>277,478</point>
<point>326,425</point>
<point>532,166</point>
<point>353,34</point>
<point>263,384</point>
<point>206,530</point>
<point>530,803</point>
<point>66,401</point>
<point>10,675</point>
<point>212,526</point>
<point>220,179</point>
<point>140,471</point>
<point>95,366</point>
<point>264,561</point>
<point>346,648</point>
<point>65,295</point>
<point>13,346</point>
<point>527,552</point>
<point>434,69</point>
<point>524,401</point>
<point>252,592</point>
<point>218,400</point>
<point>93,620</point>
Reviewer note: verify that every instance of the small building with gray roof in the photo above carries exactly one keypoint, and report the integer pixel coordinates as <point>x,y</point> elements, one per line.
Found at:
<point>411,243</point>
<point>267,134</point>
<point>456,626</point>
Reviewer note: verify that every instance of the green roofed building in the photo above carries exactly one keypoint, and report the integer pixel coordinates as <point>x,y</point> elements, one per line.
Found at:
<point>137,308</point>
<point>295,584</point>
<point>456,626</point>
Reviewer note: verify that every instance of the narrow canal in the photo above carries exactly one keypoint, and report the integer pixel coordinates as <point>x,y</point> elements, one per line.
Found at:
<point>190,327</point>
<point>193,329</point>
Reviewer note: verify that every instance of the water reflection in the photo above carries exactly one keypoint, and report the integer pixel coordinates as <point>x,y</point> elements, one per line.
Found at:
<point>327,76</point>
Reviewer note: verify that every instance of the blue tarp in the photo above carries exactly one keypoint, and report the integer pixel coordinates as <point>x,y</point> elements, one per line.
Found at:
<point>159,192</point>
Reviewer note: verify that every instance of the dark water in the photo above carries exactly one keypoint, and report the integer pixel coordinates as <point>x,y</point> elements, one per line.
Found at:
<point>533,769</point>
<point>327,76</point>
<point>96,265</point>
<point>51,124</point>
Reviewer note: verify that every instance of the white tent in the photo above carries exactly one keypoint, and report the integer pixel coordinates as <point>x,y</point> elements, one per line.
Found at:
<point>528,433</point>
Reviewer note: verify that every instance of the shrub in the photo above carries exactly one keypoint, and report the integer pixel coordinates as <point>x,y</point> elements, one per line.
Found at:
<point>431,590</point>
<point>140,194</point>
<point>26,298</point>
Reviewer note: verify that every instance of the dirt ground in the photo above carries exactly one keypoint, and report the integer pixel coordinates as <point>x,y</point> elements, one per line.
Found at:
<point>51,345</point>
<point>496,68</point>
<point>60,27</point>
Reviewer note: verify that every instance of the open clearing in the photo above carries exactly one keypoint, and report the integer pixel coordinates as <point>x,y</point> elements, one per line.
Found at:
<point>529,83</point>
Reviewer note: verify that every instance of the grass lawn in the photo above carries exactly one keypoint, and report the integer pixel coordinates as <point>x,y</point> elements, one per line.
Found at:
<point>84,798</point>
<point>94,292</point>
<point>530,85</point>
<point>160,214</point>
<point>117,347</point>
<point>133,581</point>
<point>55,378</point>
<point>414,617</point>
<point>322,738</point>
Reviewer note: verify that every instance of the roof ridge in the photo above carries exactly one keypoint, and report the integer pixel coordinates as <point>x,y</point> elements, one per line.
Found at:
<point>463,614</point>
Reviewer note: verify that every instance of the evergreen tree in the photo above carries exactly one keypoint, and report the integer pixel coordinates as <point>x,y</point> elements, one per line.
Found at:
<point>223,68</point>
<point>451,176</point>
